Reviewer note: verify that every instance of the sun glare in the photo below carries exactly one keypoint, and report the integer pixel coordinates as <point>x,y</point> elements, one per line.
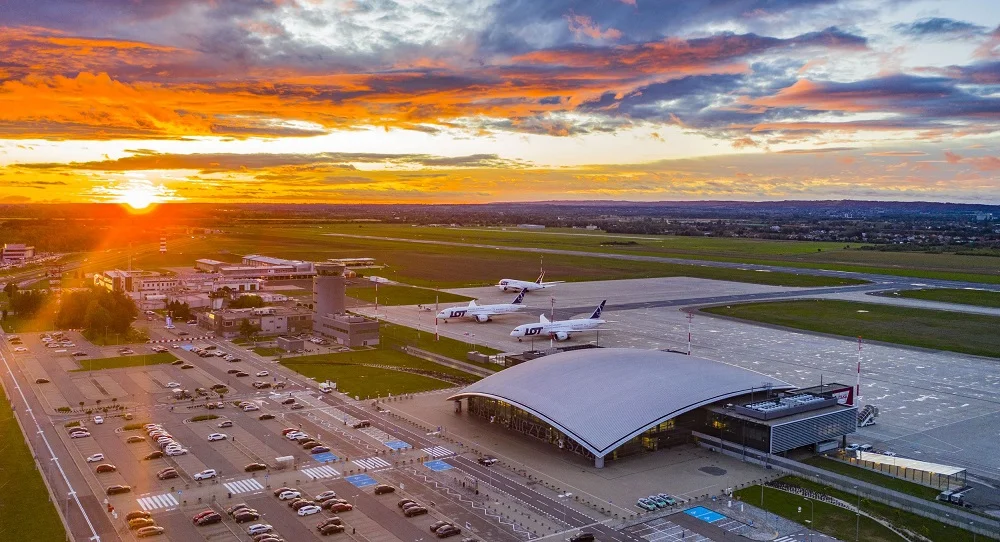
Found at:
<point>137,195</point>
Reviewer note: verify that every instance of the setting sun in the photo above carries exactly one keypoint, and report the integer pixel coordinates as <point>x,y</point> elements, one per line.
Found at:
<point>137,194</point>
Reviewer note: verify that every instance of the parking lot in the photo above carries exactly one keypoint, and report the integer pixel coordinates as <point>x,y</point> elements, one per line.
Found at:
<point>356,461</point>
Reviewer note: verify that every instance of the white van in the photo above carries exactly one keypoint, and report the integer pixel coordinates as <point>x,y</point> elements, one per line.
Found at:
<point>326,387</point>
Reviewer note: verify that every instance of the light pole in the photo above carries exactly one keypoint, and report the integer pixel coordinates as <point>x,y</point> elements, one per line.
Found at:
<point>857,523</point>
<point>566,495</point>
<point>812,518</point>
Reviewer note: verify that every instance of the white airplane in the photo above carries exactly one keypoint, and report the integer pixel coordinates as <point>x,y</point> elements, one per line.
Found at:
<point>560,329</point>
<point>515,284</point>
<point>482,313</point>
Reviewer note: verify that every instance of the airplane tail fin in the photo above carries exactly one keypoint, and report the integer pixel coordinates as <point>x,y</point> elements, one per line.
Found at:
<point>600,309</point>
<point>472,303</point>
<point>520,297</point>
<point>543,319</point>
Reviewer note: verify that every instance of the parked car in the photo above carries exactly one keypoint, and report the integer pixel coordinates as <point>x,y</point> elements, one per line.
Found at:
<point>281,490</point>
<point>244,516</point>
<point>319,450</point>
<point>259,528</point>
<point>288,401</point>
<point>331,529</point>
<point>79,434</point>
<point>294,435</point>
<point>233,371</point>
<point>206,474</point>
<point>289,494</point>
<point>310,445</point>
<point>217,436</point>
<point>362,423</point>
<point>338,507</point>
<point>237,507</point>
<point>447,531</point>
<point>262,373</point>
<point>167,474</point>
<point>265,417</point>
<point>105,467</point>
<point>241,374</point>
<point>438,524</point>
<point>297,406</point>
<point>199,515</point>
<point>153,455</point>
<point>308,510</point>
<point>98,420</point>
<point>176,452</point>
<point>137,514</point>
<point>250,408</point>
<point>209,519</point>
<point>146,532</point>
<point>118,489</point>
<point>41,381</point>
<point>645,505</point>
<point>187,366</point>
<point>225,424</point>
<point>172,385</point>
<point>95,458</point>
<point>335,520</point>
<point>382,489</point>
<point>414,511</point>
<point>325,496</point>
<point>255,467</point>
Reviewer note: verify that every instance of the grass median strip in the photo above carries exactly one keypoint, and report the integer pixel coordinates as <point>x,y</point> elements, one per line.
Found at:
<point>125,361</point>
<point>940,330</point>
<point>391,294</point>
<point>961,296</point>
<point>879,479</point>
<point>382,356</point>
<point>367,382</point>
<point>26,512</point>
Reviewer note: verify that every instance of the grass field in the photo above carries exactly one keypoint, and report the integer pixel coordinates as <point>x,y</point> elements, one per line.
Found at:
<point>829,519</point>
<point>804,254</point>
<point>43,321</point>
<point>367,382</point>
<point>979,298</point>
<point>879,479</point>
<point>31,516</point>
<point>390,294</point>
<point>137,360</point>
<point>381,356</point>
<point>267,351</point>
<point>966,333</point>
<point>397,335</point>
<point>901,519</point>
<point>441,266</point>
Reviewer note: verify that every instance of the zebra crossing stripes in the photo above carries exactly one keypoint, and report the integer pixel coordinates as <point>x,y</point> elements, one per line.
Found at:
<point>155,502</point>
<point>315,473</point>
<point>372,463</point>
<point>438,451</point>
<point>243,486</point>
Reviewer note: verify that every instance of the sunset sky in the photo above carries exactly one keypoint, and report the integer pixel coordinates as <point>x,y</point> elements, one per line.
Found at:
<point>443,101</point>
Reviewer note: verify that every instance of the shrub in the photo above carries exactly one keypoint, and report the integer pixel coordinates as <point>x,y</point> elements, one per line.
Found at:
<point>72,424</point>
<point>204,417</point>
<point>133,426</point>
<point>63,409</point>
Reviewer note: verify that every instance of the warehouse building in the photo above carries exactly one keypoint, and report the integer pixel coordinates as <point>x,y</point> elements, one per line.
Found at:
<point>608,403</point>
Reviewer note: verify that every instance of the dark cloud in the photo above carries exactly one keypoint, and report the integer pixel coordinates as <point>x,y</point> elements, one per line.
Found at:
<point>936,26</point>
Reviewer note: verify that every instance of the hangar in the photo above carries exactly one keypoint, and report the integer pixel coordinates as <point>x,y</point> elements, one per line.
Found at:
<point>611,402</point>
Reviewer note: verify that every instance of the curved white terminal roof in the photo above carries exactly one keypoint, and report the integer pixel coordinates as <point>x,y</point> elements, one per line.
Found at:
<point>603,397</point>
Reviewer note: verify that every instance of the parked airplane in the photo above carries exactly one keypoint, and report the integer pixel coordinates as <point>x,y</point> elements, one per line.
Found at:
<point>482,313</point>
<point>515,284</point>
<point>560,329</point>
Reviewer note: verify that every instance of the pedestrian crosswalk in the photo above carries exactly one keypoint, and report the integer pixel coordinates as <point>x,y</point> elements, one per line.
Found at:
<point>243,486</point>
<point>324,471</point>
<point>372,463</point>
<point>438,451</point>
<point>155,502</point>
<point>377,434</point>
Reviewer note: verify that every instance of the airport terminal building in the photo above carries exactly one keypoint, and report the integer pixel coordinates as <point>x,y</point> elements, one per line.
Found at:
<point>608,403</point>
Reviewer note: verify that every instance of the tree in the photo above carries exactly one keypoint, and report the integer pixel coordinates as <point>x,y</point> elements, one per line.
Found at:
<point>98,319</point>
<point>247,302</point>
<point>10,289</point>
<point>248,330</point>
<point>180,310</point>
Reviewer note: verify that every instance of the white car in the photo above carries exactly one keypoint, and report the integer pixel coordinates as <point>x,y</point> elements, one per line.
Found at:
<point>98,420</point>
<point>20,349</point>
<point>205,474</point>
<point>176,451</point>
<point>262,373</point>
<point>259,528</point>
<point>309,510</point>
<point>250,408</point>
<point>95,458</point>
<point>79,434</point>
<point>890,454</point>
<point>217,436</point>
<point>852,447</point>
<point>287,495</point>
<point>294,435</point>
<point>172,385</point>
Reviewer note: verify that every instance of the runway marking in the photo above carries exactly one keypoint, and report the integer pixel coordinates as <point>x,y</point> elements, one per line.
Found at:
<point>324,471</point>
<point>155,502</point>
<point>243,486</point>
<point>438,451</point>
<point>372,463</point>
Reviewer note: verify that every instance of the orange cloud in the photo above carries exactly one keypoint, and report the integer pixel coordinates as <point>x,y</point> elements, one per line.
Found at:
<point>583,25</point>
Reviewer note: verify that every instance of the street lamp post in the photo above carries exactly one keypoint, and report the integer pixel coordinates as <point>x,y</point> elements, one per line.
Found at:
<point>857,523</point>
<point>566,495</point>
<point>812,518</point>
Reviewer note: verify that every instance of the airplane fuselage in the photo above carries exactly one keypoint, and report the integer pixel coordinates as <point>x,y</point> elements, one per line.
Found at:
<point>482,310</point>
<point>554,328</point>
<point>514,284</point>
